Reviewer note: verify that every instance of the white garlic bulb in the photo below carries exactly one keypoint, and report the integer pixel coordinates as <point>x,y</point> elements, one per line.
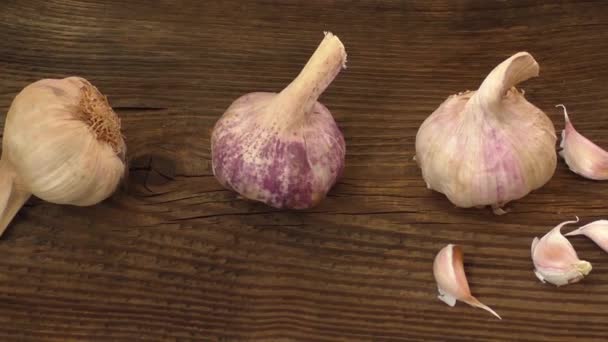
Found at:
<point>62,143</point>
<point>490,146</point>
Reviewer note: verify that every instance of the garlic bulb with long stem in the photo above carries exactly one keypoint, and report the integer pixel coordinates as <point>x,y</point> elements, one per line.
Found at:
<point>491,146</point>
<point>62,143</point>
<point>583,156</point>
<point>555,260</point>
<point>284,149</point>
<point>452,284</point>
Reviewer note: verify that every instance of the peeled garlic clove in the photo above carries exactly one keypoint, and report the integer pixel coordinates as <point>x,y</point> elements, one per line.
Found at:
<point>62,143</point>
<point>597,231</point>
<point>452,284</point>
<point>555,260</point>
<point>581,154</point>
<point>491,146</point>
<point>284,149</point>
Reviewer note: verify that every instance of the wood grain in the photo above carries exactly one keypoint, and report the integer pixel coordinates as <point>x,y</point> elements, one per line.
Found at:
<point>174,257</point>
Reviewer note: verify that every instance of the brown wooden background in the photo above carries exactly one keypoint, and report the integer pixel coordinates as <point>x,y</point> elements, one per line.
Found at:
<point>174,257</point>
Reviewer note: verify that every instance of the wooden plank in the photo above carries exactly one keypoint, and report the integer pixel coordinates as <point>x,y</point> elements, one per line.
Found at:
<point>173,256</point>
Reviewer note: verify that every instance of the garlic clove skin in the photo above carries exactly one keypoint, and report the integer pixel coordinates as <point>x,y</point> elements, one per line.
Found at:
<point>62,143</point>
<point>452,283</point>
<point>555,260</point>
<point>597,231</point>
<point>284,149</point>
<point>491,146</point>
<point>582,156</point>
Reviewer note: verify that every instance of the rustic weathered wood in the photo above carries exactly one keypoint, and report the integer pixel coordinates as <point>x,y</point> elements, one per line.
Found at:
<point>174,257</point>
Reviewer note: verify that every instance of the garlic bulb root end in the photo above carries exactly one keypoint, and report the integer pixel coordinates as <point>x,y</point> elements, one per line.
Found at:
<point>95,110</point>
<point>584,267</point>
<point>497,210</point>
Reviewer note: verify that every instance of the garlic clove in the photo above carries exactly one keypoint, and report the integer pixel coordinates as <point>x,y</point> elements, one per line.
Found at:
<point>62,143</point>
<point>284,149</point>
<point>555,260</point>
<point>452,283</point>
<point>491,146</point>
<point>597,231</point>
<point>582,156</point>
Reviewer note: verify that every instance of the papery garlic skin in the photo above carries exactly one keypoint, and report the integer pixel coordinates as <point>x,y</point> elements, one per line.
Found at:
<point>62,143</point>
<point>284,149</point>
<point>452,283</point>
<point>555,260</point>
<point>490,146</point>
<point>582,156</point>
<point>597,231</point>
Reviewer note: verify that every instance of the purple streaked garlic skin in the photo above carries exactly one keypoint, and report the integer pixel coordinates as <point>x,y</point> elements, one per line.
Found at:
<point>583,157</point>
<point>284,149</point>
<point>284,168</point>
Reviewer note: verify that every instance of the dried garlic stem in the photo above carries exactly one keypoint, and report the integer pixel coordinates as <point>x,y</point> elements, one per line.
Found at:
<point>12,196</point>
<point>506,75</point>
<point>322,67</point>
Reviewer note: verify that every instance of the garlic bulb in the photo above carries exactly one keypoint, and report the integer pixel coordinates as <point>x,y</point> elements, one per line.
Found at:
<point>555,260</point>
<point>283,149</point>
<point>452,283</point>
<point>490,146</point>
<point>62,143</point>
<point>597,231</point>
<point>581,154</point>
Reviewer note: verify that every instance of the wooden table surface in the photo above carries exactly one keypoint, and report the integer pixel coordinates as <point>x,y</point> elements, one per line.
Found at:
<point>173,256</point>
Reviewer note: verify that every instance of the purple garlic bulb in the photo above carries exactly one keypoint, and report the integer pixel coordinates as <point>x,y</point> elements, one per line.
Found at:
<point>284,149</point>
